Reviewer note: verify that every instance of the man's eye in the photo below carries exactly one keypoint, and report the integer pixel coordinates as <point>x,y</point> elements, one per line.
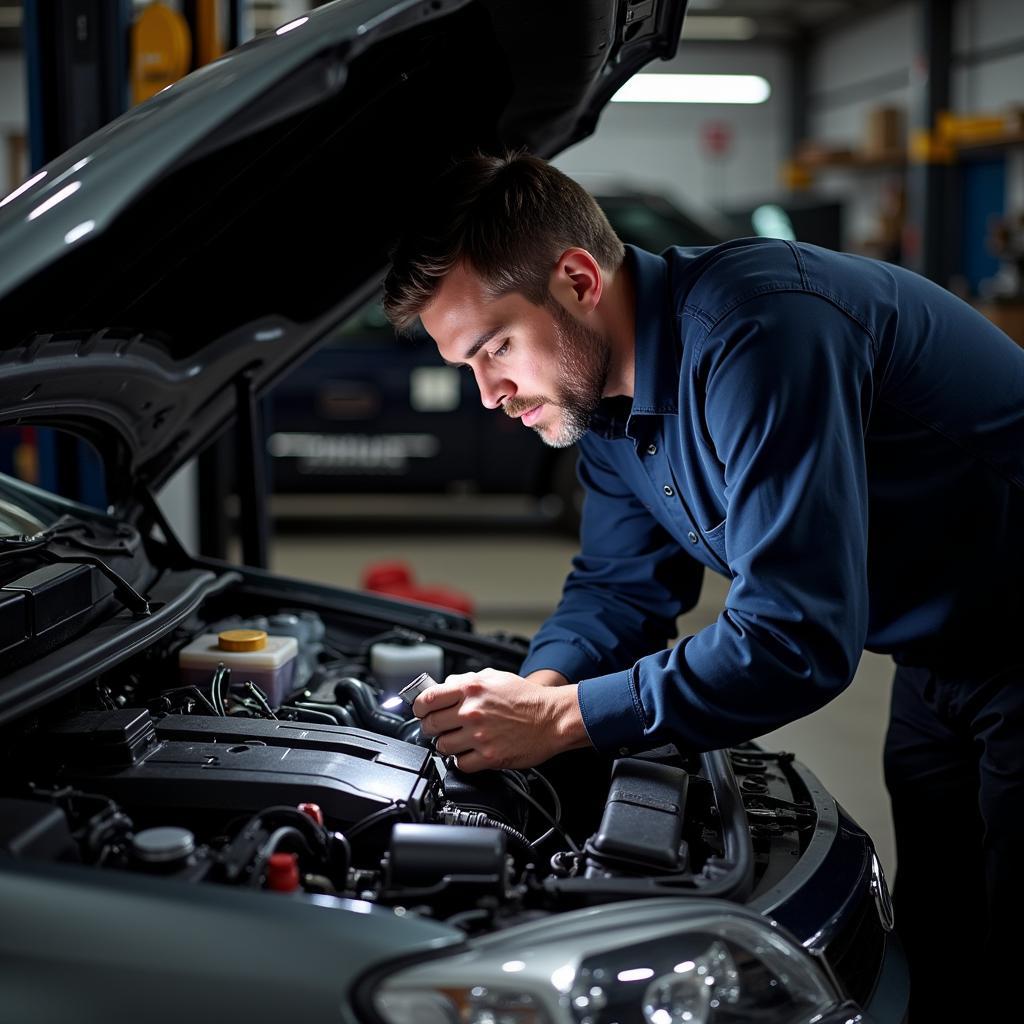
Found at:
<point>502,349</point>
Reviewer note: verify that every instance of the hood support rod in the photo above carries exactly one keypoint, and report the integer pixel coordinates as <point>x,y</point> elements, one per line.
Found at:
<point>251,473</point>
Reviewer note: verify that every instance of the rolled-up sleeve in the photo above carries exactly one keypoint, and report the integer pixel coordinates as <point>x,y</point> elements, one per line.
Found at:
<point>786,386</point>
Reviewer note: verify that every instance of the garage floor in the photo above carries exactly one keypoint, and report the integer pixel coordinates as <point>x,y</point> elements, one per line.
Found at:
<point>515,577</point>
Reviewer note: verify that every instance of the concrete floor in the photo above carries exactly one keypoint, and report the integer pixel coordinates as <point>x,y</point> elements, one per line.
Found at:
<point>515,578</point>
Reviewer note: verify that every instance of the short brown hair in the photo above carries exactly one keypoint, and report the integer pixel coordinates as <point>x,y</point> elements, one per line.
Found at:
<point>509,217</point>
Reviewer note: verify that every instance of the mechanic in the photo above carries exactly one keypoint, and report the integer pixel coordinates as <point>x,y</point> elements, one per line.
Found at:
<point>842,439</point>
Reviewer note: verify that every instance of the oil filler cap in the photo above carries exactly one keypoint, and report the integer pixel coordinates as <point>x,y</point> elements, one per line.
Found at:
<point>242,640</point>
<point>167,845</point>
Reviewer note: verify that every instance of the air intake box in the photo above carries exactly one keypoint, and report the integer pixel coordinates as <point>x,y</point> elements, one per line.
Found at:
<point>643,816</point>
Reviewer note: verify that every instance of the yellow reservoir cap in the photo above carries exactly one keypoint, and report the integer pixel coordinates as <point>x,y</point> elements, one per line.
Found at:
<point>242,640</point>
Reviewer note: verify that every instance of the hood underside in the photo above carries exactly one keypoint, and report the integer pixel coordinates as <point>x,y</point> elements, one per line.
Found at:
<point>221,230</point>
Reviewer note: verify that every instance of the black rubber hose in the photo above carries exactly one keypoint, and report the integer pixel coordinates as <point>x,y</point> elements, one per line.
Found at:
<point>367,710</point>
<point>308,715</point>
<point>270,817</point>
<point>411,733</point>
<point>341,715</point>
<point>277,837</point>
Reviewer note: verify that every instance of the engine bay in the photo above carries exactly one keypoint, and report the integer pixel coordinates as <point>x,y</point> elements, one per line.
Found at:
<point>260,742</point>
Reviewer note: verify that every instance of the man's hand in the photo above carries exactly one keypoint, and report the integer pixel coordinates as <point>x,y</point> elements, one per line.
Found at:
<point>494,719</point>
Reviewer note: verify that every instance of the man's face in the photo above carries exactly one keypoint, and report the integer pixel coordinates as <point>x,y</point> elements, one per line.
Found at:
<point>536,363</point>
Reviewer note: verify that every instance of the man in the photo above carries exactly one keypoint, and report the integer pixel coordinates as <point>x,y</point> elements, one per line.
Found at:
<point>840,438</point>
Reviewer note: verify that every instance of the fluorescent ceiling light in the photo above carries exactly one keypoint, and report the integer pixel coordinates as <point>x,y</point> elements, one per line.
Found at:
<point>712,26</point>
<point>694,89</point>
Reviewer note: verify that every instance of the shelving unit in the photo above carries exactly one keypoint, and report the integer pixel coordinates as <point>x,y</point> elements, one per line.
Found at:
<point>984,147</point>
<point>850,160</point>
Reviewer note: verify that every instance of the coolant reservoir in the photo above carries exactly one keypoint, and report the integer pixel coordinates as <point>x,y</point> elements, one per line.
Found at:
<point>251,654</point>
<point>393,664</point>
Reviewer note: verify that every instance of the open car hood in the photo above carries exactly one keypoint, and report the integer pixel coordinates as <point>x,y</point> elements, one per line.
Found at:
<point>216,233</point>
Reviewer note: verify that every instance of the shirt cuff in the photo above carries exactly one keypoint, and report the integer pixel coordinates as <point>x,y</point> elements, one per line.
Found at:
<point>612,713</point>
<point>559,656</point>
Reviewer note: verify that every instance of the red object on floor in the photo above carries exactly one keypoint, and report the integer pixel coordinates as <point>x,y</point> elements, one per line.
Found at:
<point>395,579</point>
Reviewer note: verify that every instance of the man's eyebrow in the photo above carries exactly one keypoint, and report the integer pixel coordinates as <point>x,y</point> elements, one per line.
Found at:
<point>478,344</point>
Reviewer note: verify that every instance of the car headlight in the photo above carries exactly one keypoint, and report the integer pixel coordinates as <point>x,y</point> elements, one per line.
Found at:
<point>651,962</point>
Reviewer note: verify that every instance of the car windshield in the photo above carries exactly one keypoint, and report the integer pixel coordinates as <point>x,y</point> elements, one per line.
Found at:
<point>15,520</point>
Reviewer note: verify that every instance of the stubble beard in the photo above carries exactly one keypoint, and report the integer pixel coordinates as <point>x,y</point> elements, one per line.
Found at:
<point>584,361</point>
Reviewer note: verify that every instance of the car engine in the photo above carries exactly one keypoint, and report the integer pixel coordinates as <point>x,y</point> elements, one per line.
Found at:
<point>319,782</point>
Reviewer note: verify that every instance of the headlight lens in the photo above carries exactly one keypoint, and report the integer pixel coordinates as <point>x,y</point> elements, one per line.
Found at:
<point>684,962</point>
<point>478,1005</point>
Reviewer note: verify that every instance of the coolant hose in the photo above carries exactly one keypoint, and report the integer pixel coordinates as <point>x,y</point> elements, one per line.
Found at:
<point>364,703</point>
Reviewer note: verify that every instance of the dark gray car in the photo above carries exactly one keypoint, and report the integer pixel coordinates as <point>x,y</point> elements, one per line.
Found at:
<point>268,836</point>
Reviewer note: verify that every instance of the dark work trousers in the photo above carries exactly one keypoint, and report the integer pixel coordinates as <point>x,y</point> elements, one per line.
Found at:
<point>954,766</point>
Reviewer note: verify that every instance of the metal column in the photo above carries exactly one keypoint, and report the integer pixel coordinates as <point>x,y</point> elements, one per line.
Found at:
<point>76,58</point>
<point>219,471</point>
<point>77,62</point>
<point>930,236</point>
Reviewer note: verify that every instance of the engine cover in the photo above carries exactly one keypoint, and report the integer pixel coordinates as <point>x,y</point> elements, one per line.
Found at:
<point>236,765</point>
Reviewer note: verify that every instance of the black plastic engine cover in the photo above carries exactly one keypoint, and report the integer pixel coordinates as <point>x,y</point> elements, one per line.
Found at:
<point>244,765</point>
<point>337,739</point>
<point>102,738</point>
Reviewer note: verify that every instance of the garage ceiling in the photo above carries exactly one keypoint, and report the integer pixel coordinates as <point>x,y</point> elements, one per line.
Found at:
<point>772,20</point>
<point>777,20</point>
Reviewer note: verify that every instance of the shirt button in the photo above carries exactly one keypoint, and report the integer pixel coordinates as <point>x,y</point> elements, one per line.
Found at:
<point>652,449</point>
<point>623,751</point>
<point>668,491</point>
<point>692,537</point>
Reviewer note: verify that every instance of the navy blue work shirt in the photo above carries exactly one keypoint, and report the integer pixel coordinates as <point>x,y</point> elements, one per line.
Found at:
<point>843,440</point>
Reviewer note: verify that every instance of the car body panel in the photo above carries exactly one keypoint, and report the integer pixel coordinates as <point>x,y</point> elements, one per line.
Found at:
<point>169,951</point>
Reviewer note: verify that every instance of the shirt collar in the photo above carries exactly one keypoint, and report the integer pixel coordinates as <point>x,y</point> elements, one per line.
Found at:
<point>657,356</point>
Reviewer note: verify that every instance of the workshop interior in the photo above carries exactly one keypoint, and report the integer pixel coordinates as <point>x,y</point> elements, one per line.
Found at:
<point>245,523</point>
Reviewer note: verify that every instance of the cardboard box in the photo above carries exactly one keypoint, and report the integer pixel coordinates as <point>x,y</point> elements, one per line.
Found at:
<point>885,132</point>
<point>1008,317</point>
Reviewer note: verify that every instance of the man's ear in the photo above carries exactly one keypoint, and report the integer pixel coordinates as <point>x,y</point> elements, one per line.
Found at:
<point>577,281</point>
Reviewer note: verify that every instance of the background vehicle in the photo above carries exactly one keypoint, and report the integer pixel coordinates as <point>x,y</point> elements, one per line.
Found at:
<point>373,412</point>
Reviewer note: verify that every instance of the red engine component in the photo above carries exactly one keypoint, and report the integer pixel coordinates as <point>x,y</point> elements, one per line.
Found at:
<point>283,872</point>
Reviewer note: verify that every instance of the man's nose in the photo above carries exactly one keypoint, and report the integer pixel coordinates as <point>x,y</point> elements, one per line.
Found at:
<point>494,391</point>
